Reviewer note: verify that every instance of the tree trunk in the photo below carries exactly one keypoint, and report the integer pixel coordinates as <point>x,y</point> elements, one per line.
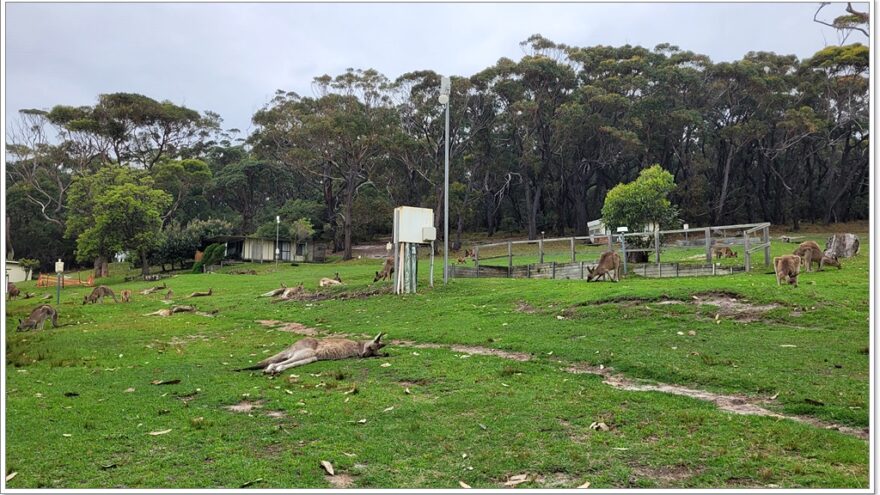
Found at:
<point>10,253</point>
<point>347,221</point>
<point>145,265</point>
<point>724,181</point>
<point>102,267</point>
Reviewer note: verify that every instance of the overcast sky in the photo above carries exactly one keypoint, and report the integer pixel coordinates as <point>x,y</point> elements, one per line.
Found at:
<point>230,58</point>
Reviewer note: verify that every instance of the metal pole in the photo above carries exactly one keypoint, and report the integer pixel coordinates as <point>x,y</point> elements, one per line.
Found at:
<point>58,291</point>
<point>623,251</point>
<point>446,203</point>
<point>766,240</point>
<point>277,247</point>
<point>431,278</point>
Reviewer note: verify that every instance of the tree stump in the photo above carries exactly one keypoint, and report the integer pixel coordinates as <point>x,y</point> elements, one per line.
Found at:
<point>842,245</point>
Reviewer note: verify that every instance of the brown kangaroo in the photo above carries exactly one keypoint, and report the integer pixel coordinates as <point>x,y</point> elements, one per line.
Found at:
<point>98,294</point>
<point>387,270</point>
<point>787,267</point>
<point>327,282</point>
<point>12,291</point>
<point>38,317</point>
<point>126,295</point>
<point>607,262</point>
<point>309,350</point>
<point>202,294</point>
<point>723,251</point>
<point>810,253</point>
<point>831,260</point>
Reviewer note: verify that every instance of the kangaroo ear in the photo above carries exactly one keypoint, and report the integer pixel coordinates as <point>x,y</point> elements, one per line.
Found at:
<point>376,340</point>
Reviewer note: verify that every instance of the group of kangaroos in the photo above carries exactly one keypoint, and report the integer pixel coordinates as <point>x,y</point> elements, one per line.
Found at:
<point>309,350</point>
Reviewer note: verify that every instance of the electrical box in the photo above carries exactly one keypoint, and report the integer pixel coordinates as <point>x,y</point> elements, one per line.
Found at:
<point>414,225</point>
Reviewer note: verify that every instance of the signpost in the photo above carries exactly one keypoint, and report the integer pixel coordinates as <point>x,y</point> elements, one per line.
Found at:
<point>622,231</point>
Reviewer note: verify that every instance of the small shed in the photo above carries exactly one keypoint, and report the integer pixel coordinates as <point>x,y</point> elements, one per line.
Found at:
<point>15,272</point>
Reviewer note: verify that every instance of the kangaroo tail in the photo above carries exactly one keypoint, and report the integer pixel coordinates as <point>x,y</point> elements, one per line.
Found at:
<point>257,366</point>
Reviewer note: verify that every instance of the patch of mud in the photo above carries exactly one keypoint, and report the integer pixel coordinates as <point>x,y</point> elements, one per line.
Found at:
<point>732,305</point>
<point>245,406</point>
<point>466,349</point>
<point>556,480</point>
<point>276,414</point>
<point>524,307</point>
<point>340,480</point>
<point>337,295</point>
<point>292,327</point>
<point>731,403</point>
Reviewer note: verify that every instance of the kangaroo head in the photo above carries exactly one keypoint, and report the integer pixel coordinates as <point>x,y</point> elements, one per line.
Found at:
<point>85,299</point>
<point>20,324</point>
<point>371,347</point>
<point>336,278</point>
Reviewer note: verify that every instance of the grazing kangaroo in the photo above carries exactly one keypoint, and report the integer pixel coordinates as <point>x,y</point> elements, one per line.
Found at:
<point>202,294</point>
<point>831,260</point>
<point>607,262</point>
<point>327,282</point>
<point>787,267</point>
<point>810,253</point>
<point>38,317</point>
<point>309,350</point>
<point>169,295</point>
<point>126,295</point>
<point>98,294</point>
<point>387,270</point>
<point>275,292</point>
<point>11,291</point>
<point>723,251</point>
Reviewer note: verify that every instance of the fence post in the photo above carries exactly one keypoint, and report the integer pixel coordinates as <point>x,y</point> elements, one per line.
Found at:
<point>477,259</point>
<point>541,251</point>
<point>748,254</point>
<point>572,251</point>
<point>766,240</point>
<point>709,247</point>
<point>582,270</point>
<point>509,259</point>
<point>553,273</point>
<point>657,246</point>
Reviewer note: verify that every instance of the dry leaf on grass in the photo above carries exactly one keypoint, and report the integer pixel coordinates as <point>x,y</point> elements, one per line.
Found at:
<point>516,480</point>
<point>362,421</point>
<point>249,483</point>
<point>67,435</point>
<point>585,485</point>
<point>160,432</point>
<point>406,391</point>
<point>12,475</point>
<point>166,382</point>
<point>128,390</point>
<point>774,396</point>
<point>385,365</point>
<point>598,425</point>
<point>347,454</point>
<point>328,467</point>
<point>463,484</point>
<point>388,409</point>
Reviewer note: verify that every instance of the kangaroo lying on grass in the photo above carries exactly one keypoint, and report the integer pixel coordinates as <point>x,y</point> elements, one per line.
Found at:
<point>275,292</point>
<point>387,270</point>
<point>38,317</point>
<point>202,294</point>
<point>98,294</point>
<point>327,282</point>
<point>607,262</point>
<point>147,292</point>
<point>309,350</point>
<point>787,267</point>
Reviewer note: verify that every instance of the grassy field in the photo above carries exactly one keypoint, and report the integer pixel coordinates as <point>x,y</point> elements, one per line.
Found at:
<point>80,405</point>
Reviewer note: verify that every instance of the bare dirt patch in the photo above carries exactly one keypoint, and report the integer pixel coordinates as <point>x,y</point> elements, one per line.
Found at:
<point>466,349</point>
<point>556,480</point>
<point>731,403</point>
<point>276,414</point>
<point>524,307</point>
<point>664,475</point>
<point>292,327</point>
<point>733,306</point>
<point>340,480</point>
<point>245,406</point>
<point>337,295</point>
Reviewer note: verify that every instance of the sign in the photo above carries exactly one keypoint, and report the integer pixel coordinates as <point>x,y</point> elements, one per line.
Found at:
<point>59,266</point>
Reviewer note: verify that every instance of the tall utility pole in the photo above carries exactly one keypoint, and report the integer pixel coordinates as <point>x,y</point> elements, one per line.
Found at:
<point>445,84</point>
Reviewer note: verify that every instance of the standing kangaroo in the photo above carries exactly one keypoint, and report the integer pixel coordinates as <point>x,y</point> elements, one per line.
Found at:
<point>810,253</point>
<point>38,317</point>
<point>12,291</point>
<point>787,268</point>
<point>98,294</point>
<point>607,262</point>
<point>309,350</point>
<point>126,295</point>
<point>387,270</point>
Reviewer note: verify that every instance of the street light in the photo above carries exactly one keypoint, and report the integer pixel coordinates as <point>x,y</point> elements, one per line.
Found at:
<point>445,84</point>
<point>277,247</point>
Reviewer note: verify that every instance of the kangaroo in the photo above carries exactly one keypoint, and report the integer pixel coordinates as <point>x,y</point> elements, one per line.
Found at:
<point>327,282</point>
<point>202,294</point>
<point>809,253</point>
<point>275,292</point>
<point>98,294</point>
<point>309,350</point>
<point>787,267</point>
<point>387,270</point>
<point>12,291</point>
<point>289,293</point>
<point>147,292</point>
<point>723,251</point>
<point>38,317</point>
<point>126,295</point>
<point>607,262</point>
<point>831,260</point>
<point>169,295</point>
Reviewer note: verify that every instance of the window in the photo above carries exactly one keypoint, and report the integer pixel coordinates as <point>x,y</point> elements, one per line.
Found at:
<point>300,249</point>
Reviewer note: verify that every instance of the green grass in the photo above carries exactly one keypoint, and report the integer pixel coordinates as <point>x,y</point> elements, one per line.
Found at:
<point>477,419</point>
